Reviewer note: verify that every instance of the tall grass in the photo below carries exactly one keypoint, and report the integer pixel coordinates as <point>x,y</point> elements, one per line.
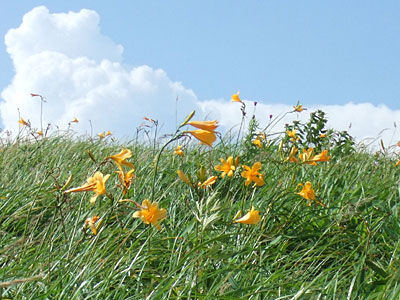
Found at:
<point>346,250</point>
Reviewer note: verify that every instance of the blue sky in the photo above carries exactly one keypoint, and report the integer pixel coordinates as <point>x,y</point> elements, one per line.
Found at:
<point>275,52</point>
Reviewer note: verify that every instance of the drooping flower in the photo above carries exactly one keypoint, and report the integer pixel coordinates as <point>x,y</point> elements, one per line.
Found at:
<point>151,214</point>
<point>23,122</point>
<point>178,150</point>
<point>307,157</point>
<point>205,125</point>
<point>125,179</point>
<point>252,217</point>
<point>204,136</point>
<point>120,158</point>
<point>183,177</point>
<point>291,157</point>
<point>40,132</point>
<point>95,184</point>
<point>209,182</point>
<point>90,222</point>
<point>235,97</point>
<point>252,174</point>
<point>75,120</point>
<point>227,167</point>
<point>322,157</point>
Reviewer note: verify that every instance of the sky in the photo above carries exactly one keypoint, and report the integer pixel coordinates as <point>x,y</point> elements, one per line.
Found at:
<point>114,62</point>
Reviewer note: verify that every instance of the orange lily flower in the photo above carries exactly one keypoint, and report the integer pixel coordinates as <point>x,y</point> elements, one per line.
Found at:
<point>235,97</point>
<point>125,179</point>
<point>252,174</point>
<point>227,167</point>
<point>210,181</point>
<point>120,158</point>
<point>95,184</point>
<point>298,108</point>
<point>178,150</point>
<point>23,122</point>
<point>306,157</point>
<point>205,125</point>
<point>308,193</point>
<point>252,217</point>
<point>151,214</point>
<point>204,136</point>
<point>323,156</point>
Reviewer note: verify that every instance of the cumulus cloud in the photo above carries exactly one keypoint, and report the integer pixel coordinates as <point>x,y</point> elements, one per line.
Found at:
<point>66,58</point>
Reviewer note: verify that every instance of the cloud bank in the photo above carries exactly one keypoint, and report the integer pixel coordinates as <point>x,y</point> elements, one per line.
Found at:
<point>366,122</point>
<point>66,58</point>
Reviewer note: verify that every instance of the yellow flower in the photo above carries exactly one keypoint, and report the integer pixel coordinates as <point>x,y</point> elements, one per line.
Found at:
<point>252,217</point>
<point>120,158</point>
<point>252,174</point>
<point>235,97</point>
<point>40,132</point>
<point>125,179</point>
<point>89,222</point>
<point>227,167</point>
<point>323,156</point>
<point>306,157</point>
<point>75,120</point>
<point>257,142</point>
<point>398,163</point>
<point>183,177</point>
<point>23,122</point>
<point>108,133</point>
<point>205,125</point>
<point>204,136</point>
<point>95,184</point>
<point>298,108</point>
<point>322,135</point>
<point>178,150</point>
<point>210,181</point>
<point>308,193</point>
<point>151,214</point>
<point>292,134</point>
<point>101,135</point>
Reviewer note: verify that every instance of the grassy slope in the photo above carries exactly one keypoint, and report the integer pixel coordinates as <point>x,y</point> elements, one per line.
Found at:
<point>349,249</point>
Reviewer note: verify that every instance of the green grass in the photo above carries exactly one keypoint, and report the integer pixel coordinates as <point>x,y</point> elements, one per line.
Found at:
<point>346,250</point>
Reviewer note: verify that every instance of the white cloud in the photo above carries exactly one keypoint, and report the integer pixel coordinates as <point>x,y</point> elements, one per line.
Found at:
<point>64,57</point>
<point>364,121</point>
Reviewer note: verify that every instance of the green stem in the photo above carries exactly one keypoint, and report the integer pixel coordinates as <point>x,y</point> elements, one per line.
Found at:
<point>158,160</point>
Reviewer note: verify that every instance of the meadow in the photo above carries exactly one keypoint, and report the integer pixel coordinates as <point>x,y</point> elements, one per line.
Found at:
<point>304,214</point>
